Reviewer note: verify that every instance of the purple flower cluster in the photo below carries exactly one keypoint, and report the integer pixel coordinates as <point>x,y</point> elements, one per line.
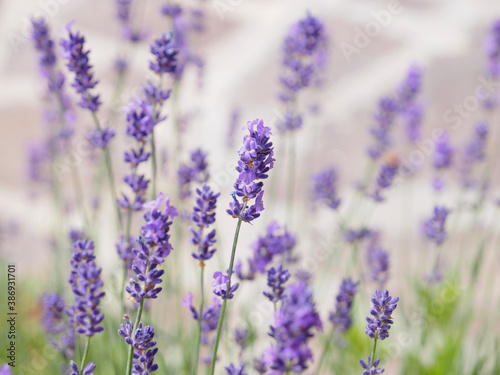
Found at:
<point>220,285</point>
<point>378,260</point>
<point>369,368</point>
<point>354,235</point>
<point>384,180</point>
<point>276,242</point>
<point>412,118</point>
<point>232,370</point>
<point>293,326</point>
<point>209,316</point>
<point>44,45</point>
<point>383,306</point>
<point>382,126</point>
<point>276,279</point>
<point>442,157</point>
<point>154,247</point>
<point>434,227</point>
<point>165,53</point>
<point>194,171</point>
<point>85,371</point>
<point>341,317</point>
<point>86,284</point>
<point>61,331</point>
<point>142,341</point>
<point>123,13</point>
<point>475,152</point>
<point>204,216</point>
<point>492,47</point>
<point>256,159</point>
<point>5,370</point>
<point>324,187</point>
<point>409,88</point>
<point>73,50</point>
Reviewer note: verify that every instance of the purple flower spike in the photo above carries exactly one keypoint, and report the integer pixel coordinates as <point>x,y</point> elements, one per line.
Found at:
<point>61,331</point>
<point>220,286</point>
<point>5,370</point>
<point>443,153</point>
<point>369,368</point>
<point>325,187</point>
<point>73,51</point>
<point>86,284</point>
<point>492,47</point>
<point>101,137</point>
<point>232,370</point>
<point>383,306</point>
<point>204,216</point>
<point>142,341</point>
<point>409,89</point>
<point>384,180</point>
<point>381,129</point>
<point>341,317</point>
<point>44,45</point>
<point>256,159</point>
<point>276,278</point>
<point>475,152</point>
<point>293,326</point>
<point>434,228</point>
<point>86,371</point>
<point>195,171</point>
<point>165,53</point>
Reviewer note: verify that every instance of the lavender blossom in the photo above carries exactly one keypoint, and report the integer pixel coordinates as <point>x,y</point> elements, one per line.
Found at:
<point>154,247</point>
<point>378,260</point>
<point>194,171</point>
<point>293,326</point>
<point>354,235</point>
<point>60,331</point>
<point>204,216</point>
<point>383,307</point>
<point>101,137</point>
<point>142,341</point>
<point>413,122</point>
<point>410,87</point>
<point>434,227</point>
<point>369,368</point>
<point>44,45</point>
<point>232,370</point>
<point>256,159</point>
<point>220,284</point>
<point>209,316</point>
<point>276,279</point>
<point>381,129</point>
<point>325,187</point>
<point>492,47</point>
<point>241,338</point>
<point>475,152</point>
<point>73,50</point>
<point>123,13</point>
<point>384,180</point>
<point>341,317</point>
<point>442,157</point>
<point>233,124</point>
<point>86,371</point>
<point>86,284</point>
<point>165,53</point>
<point>5,370</point>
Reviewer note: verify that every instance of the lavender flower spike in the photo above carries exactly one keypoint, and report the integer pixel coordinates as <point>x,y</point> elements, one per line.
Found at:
<point>232,370</point>
<point>220,286</point>
<point>434,228</point>
<point>341,317</point>
<point>325,187</point>
<point>276,278</point>
<point>369,368</point>
<point>86,371</point>
<point>163,49</point>
<point>383,307</point>
<point>384,180</point>
<point>5,370</point>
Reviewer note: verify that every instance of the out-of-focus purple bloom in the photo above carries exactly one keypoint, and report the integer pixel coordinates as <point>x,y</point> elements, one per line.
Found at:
<point>292,328</point>
<point>38,156</point>
<point>276,279</point>
<point>86,371</point>
<point>324,187</point>
<point>209,316</point>
<point>5,370</point>
<point>44,45</point>
<point>220,285</point>
<point>101,137</point>
<point>155,95</point>
<point>256,159</point>
<point>140,120</point>
<point>124,250</point>
<point>353,235</point>
<point>61,331</point>
<point>120,65</point>
<point>341,317</point>
<point>77,58</point>
<point>165,53</point>
<point>86,284</point>
<point>291,121</point>
<point>378,260</point>
<point>277,242</point>
<point>369,368</point>
<point>123,13</point>
<point>434,227</point>
<point>233,125</point>
<point>142,341</point>
<point>382,126</point>
<point>154,247</point>
<point>475,152</point>
<point>195,171</point>
<point>384,180</point>
<point>241,338</point>
<point>413,122</point>
<point>409,88</point>
<point>492,47</point>
<point>232,370</point>
<point>204,216</point>
<point>383,306</point>
<point>443,153</point>
<point>259,365</point>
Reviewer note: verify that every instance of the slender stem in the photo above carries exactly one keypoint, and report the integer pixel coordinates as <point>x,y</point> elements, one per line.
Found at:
<point>197,355</point>
<point>131,348</point>
<point>291,179</point>
<point>228,286</point>
<point>84,358</point>
<point>374,350</point>
<point>326,347</point>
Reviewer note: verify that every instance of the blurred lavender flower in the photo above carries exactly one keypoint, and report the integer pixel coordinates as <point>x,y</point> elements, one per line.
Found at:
<point>154,247</point>
<point>204,216</point>
<point>443,152</point>
<point>292,328</point>
<point>341,317</point>
<point>381,129</point>
<point>124,250</point>
<point>492,47</point>
<point>369,368</point>
<point>259,365</point>
<point>383,307</point>
<point>232,370</point>
<point>123,13</point>
<point>209,316</point>
<point>195,171</point>
<point>256,159</point>
<point>413,122</point>
<point>233,125</point>
<point>5,370</point>
<point>241,338</point>
<point>101,137</point>
<point>44,45</point>
<point>378,260</point>
<point>220,284</point>
<point>38,157</point>
<point>353,235</point>
<point>73,50</point>
<point>384,180</point>
<point>276,242</point>
<point>434,227</point>
<point>409,88</point>
<point>276,279</point>
<point>165,53</point>
<point>86,284</point>
<point>475,152</point>
<point>61,331</point>
<point>85,371</point>
<point>142,341</point>
<point>324,187</point>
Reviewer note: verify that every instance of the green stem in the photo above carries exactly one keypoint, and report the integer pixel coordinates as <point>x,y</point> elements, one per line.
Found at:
<point>373,351</point>
<point>228,286</point>
<point>85,353</point>
<point>197,355</point>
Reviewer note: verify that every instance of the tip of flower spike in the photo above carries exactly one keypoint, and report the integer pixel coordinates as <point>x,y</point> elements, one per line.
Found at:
<point>68,26</point>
